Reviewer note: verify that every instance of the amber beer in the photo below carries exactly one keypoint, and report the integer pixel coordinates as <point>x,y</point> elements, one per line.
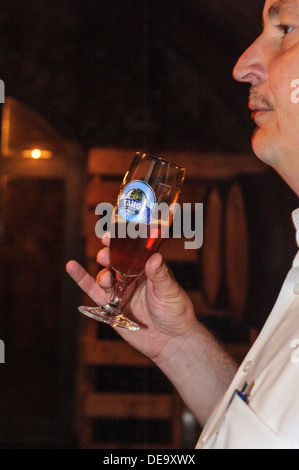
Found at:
<point>128,255</point>
<point>149,182</point>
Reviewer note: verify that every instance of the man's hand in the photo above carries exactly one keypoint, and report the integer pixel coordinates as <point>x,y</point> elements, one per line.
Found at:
<point>156,302</point>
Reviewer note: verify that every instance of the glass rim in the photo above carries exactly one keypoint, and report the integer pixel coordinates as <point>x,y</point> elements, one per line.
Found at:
<point>161,159</point>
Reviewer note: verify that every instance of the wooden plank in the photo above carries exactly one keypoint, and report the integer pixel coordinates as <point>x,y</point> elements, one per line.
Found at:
<point>99,191</point>
<point>113,352</point>
<point>112,161</point>
<point>216,166</point>
<point>172,249</point>
<point>128,405</point>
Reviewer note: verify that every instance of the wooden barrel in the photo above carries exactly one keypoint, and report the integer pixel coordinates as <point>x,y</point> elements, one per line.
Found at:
<point>212,251</point>
<point>236,252</point>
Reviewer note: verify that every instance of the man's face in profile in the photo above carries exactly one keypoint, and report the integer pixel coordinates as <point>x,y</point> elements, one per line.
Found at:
<point>271,66</point>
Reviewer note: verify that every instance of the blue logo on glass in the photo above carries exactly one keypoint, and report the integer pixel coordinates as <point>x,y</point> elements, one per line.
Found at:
<point>136,202</point>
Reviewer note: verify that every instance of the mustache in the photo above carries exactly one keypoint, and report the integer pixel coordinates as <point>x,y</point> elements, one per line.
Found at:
<point>259,100</point>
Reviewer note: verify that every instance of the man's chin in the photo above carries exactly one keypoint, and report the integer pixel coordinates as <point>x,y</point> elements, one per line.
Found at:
<point>264,147</point>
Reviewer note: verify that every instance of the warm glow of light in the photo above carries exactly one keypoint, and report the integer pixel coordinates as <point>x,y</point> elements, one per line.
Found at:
<point>36,153</point>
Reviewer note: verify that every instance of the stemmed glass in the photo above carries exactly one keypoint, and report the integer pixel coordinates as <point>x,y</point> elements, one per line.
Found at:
<point>140,221</point>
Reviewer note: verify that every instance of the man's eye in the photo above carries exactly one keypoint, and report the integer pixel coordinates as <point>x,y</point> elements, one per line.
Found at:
<point>285,29</point>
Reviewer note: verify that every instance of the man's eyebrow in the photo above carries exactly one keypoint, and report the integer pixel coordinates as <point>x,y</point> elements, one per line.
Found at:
<point>276,8</point>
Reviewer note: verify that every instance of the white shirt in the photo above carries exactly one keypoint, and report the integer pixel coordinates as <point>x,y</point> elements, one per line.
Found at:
<point>270,417</point>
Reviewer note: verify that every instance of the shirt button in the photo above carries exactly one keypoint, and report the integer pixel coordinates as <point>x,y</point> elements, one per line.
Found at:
<point>296,289</point>
<point>247,366</point>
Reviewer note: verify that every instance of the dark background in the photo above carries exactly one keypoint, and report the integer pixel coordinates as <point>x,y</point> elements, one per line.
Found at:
<point>132,72</point>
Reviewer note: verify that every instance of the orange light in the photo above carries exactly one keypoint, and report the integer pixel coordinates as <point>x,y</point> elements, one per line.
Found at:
<point>36,153</point>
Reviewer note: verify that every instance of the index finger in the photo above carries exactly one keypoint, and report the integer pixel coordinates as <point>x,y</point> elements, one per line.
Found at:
<point>86,282</point>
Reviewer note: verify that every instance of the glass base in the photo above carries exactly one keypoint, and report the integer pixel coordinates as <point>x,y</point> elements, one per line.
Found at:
<point>110,315</point>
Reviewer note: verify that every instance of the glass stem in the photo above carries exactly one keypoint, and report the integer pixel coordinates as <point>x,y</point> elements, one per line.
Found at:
<point>118,290</point>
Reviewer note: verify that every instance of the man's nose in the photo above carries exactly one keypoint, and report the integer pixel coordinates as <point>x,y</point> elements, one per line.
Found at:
<point>252,65</point>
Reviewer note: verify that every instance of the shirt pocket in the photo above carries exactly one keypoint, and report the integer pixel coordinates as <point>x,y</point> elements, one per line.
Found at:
<point>242,428</point>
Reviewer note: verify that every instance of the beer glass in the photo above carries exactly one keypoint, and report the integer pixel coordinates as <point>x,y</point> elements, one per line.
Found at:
<point>140,221</point>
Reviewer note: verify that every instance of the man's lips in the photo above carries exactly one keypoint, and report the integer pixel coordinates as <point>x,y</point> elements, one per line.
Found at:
<point>258,110</point>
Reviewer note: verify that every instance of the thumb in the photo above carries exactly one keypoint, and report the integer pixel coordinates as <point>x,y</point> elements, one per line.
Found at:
<point>158,273</point>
